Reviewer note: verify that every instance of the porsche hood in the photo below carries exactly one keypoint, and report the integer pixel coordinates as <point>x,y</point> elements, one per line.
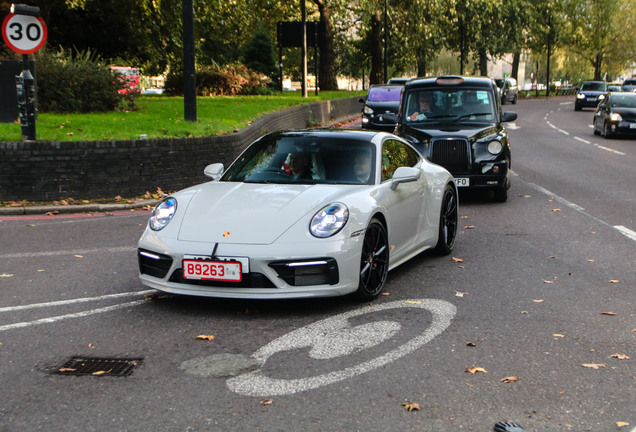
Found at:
<point>243,213</point>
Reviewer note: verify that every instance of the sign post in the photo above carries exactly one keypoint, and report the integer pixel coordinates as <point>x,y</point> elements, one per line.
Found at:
<point>24,31</point>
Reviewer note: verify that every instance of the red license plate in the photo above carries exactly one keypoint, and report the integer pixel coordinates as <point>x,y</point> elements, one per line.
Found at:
<point>212,270</point>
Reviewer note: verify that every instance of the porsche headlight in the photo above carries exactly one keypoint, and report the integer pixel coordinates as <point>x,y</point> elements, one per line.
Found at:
<point>368,110</point>
<point>162,214</point>
<point>616,117</point>
<point>495,147</point>
<point>329,220</point>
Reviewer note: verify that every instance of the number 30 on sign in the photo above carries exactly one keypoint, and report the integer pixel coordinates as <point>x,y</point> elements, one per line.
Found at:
<point>24,34</point>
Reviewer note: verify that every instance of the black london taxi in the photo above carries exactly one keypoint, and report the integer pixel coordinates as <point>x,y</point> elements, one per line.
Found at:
<point>457,122</point>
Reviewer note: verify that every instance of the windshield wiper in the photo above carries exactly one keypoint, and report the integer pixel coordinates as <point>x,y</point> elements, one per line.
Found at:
<point>472,114</point>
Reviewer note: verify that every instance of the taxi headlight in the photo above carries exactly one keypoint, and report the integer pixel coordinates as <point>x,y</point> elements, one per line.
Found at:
<point>329,220</point>
<point>580,96</point>
<point>368,110</point>
<point>162,214</point>
<point>495,147</point>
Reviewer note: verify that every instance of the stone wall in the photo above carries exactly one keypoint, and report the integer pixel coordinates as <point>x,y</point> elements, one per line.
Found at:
<point>42,171</point>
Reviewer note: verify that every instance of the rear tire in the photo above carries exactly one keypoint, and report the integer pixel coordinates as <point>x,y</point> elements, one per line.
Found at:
<point>374,262</point>
<point>447,222</point>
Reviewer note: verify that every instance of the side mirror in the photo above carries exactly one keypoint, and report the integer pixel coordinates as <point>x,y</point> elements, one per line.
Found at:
<point>361,100</point>
<point>508,116</point>
<point>404,175</point>
<point>390,118</point>
<point>214,171</point>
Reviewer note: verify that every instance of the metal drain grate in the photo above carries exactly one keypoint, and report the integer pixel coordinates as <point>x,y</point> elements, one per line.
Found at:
<point>120,367</point>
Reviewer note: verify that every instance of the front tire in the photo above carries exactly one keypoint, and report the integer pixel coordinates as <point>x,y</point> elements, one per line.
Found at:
<point>374,262</point>
<point>447,222</point>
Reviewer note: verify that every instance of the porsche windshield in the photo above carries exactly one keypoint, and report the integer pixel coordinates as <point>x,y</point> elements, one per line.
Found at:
<point>449,105</point>
<point>303,160</point>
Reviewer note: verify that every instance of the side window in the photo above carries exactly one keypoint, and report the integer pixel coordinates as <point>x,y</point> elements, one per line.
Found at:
<point>394,155</point>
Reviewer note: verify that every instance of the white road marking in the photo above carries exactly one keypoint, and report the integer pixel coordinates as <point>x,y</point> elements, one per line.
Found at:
<point>74,301</point>
<point>625,231</point>
<point>334,337</point>
<point>68,252</point>
<point>75,315</point>
<point>582,140</point>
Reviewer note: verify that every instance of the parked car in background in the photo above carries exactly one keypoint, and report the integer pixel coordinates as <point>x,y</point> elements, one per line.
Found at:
<point>508,89</point>
<point>614,87</point>
<point>589,95</point>
<point>381,100</point>
<point>629,85</point>
<point>616,115</point>
<point>370,203</point>
<point>457,122</point>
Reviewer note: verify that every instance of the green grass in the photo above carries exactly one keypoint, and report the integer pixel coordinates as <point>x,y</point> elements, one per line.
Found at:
<point>163,117</point>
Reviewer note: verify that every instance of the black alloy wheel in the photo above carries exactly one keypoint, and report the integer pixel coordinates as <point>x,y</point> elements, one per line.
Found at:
<point>596,132</point>
<point>374,262</point>
<point>448,217</point>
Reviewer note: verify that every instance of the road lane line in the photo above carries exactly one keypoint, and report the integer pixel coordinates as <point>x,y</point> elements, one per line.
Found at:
<point>625,231</point>
<point>67,252</point>
<point>75,315</point>
<point>74,301</point>
<point>582,140</point>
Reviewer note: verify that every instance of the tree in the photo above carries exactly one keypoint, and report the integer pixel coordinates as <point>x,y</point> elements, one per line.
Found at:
<point>258,54</point>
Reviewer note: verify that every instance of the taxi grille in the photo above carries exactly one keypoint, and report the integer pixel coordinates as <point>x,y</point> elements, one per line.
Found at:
<point>452,154</point>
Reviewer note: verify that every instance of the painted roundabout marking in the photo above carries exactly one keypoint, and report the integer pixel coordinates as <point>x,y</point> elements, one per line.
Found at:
<point>334,337</point>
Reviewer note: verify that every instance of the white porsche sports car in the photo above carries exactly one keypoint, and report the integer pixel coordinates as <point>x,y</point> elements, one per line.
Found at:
<point>301,214</point>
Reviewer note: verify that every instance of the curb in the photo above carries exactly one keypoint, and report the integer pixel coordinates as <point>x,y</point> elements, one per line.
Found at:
<point>81,208</point>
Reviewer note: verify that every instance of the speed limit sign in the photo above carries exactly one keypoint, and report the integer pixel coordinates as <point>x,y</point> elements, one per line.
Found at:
<point>24,34</point>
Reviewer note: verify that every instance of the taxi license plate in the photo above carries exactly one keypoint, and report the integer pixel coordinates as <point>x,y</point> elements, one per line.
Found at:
<point>462,182</point>
<point>212,270</point>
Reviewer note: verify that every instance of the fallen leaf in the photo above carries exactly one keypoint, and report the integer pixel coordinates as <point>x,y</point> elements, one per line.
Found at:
<point>620,356</point>
<point>457,260</point>
<point>102,372</point>
<point>413,302</point>
<point>78,256</point>
<point>470,344</point>
<point>473,370</point>
<point>6,275</point>
<point>151,296</point>
<point>538,301</point>
<point>411,406</point>
<point>469,227</point>
<point>266,402</point>
<point>558,335</point>
<point>622,424</point>
<point>593,365</point>
<point>614,281</point>
<point>609,313</point>
<point>556,210</point>
<point>461,294</point>
<point>53,213</point>
<point>385,294</point>
<point>510,379</point>
<point>40,271</point>
<point>205,337</point>
<point>548,281</point>
<point>591,260</point>
<point>66,370</point>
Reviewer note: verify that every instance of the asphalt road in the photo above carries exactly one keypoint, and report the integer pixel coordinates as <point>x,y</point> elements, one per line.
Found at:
<point>538,292</point>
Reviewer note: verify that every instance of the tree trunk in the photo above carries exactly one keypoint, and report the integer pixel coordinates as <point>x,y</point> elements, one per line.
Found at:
<point>376,76</point>
<point>483,62</point>
<point>326,71</point>
<point>598,64</point>
<point>515,65</point>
